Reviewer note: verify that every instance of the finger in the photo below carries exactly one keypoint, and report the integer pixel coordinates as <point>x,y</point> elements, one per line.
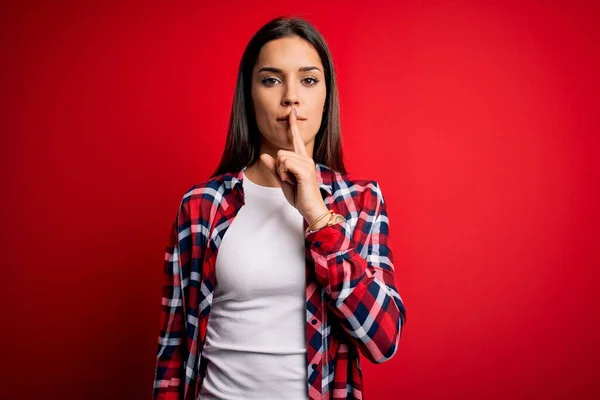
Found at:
<point>271,164</point>
<point>283,169</point>
<point>303,163</point>
<point>290,169</point>
<point>287,153</point>
<point>297,142</point>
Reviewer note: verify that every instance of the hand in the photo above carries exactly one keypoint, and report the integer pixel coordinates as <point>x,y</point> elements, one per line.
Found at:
<point>295,171</point>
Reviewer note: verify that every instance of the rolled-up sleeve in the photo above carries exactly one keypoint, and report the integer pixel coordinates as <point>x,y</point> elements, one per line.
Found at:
<point>168,378</point>
<point>362,287</point>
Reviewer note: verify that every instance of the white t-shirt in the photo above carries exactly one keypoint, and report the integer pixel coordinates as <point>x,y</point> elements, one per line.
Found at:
<point>256,333</point>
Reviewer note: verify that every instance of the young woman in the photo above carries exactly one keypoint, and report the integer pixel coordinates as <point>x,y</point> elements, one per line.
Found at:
<point>279,273</point>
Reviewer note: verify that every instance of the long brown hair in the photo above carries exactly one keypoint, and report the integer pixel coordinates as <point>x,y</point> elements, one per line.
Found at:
<point>243,137</point>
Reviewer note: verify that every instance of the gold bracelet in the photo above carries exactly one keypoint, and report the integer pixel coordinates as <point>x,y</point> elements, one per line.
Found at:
<point>330,222</point>
<point>334,217</point>
<point>318,219</point>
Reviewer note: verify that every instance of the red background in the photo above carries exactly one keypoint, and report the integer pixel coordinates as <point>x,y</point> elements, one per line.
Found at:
<point>479,121</point>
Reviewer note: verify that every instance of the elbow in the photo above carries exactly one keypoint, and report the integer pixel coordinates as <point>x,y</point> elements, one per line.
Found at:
<point>380,351</point>
<point>377,357</point>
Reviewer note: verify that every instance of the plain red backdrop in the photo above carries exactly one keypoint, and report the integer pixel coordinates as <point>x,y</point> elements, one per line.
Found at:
<point>480,122</point>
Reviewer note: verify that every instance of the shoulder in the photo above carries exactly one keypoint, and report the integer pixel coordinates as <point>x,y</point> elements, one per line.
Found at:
<point>208,188</point>
<point>363,190</point>
<point>204,195</point>
<point>343,186</point>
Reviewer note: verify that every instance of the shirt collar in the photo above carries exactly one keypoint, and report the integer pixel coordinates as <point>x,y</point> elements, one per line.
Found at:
<point>323,172</point>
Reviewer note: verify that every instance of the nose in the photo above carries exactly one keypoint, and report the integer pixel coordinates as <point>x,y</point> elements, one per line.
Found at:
<point>290,99</point>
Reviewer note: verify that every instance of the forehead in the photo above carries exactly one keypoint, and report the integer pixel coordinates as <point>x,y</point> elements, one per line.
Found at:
<point>289,53</point>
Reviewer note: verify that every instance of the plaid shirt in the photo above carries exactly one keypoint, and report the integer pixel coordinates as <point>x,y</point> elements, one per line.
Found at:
<point>352,304</point>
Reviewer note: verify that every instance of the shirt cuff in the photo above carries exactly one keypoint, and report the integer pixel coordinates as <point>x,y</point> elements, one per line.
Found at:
<point>327,240</point>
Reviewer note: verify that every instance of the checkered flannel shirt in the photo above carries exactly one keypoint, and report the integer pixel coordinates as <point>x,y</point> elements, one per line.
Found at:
<point>352,304</point>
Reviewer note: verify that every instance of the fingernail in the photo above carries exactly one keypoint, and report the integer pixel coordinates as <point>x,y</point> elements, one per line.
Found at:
<point>295,112</point>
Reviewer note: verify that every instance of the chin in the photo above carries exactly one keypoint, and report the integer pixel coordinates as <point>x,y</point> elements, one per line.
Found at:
<point>276,142</point>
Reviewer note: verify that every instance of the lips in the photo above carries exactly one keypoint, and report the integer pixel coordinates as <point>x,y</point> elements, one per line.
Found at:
<point>286,118</point>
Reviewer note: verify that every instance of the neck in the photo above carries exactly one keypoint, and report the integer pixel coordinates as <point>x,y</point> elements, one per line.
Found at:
<point>259,174</point>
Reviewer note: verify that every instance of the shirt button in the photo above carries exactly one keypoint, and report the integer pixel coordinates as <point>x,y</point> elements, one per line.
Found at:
<point>314,366</point>
<point>314,322</point>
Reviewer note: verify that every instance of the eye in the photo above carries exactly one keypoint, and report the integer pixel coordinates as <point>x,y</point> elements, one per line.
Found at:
<point>270,81</point>
<point>310,78</point>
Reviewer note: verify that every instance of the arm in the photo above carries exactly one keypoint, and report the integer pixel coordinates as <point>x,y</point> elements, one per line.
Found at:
<point>168,377</point>
<point>363,292</point>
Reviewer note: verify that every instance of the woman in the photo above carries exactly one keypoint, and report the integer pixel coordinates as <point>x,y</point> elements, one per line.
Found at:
<point>304,278</point>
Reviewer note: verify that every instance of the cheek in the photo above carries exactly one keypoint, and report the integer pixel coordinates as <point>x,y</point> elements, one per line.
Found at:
<point>319,101</point>
<point>318,105</point>
<point>261,105</point>
<point>262,114</point>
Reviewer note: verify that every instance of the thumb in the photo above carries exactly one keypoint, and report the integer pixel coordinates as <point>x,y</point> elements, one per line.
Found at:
<point>270,163</point>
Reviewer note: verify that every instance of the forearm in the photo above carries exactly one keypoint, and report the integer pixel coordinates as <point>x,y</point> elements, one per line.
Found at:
<point>363,293</point>
<point>169,364</point>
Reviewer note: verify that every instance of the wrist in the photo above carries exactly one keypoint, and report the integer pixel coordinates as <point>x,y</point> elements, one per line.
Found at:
<point>321,220</point>
<point>312,216</point>
<point>330,218</point>
<point>322,223</point>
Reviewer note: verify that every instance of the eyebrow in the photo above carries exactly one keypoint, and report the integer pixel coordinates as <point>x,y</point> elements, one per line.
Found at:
<point>279,71</point>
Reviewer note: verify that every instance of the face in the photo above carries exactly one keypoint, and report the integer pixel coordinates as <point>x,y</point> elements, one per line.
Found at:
<point>288,73</point>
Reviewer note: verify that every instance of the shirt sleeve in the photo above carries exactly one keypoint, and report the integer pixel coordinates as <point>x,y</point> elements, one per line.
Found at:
<point>168,377</point>
<point>362,288</point>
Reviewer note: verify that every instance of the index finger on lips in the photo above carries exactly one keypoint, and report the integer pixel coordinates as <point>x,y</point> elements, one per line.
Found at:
<point>297,142</point>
